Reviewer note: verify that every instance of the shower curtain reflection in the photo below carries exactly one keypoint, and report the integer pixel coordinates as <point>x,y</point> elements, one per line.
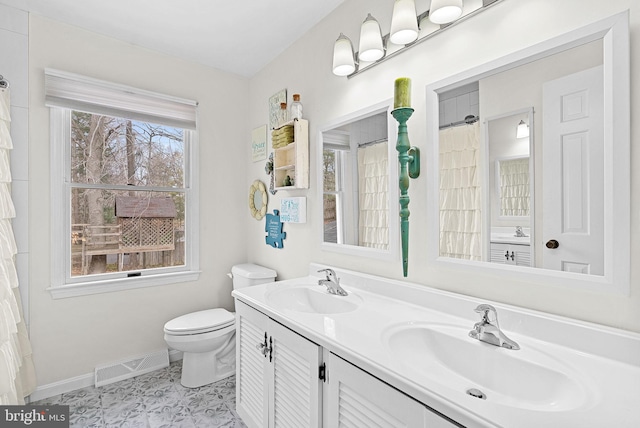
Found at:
<point>373,191</point>
<point>460,193</point>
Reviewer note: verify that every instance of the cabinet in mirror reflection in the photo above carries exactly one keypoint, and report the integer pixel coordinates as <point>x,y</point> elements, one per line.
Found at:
<point>356,170</point>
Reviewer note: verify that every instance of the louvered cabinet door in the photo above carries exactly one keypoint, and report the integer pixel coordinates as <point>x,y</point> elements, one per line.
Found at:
<point>295,395</point>
<point>359,400</point>
<point>251,366</point>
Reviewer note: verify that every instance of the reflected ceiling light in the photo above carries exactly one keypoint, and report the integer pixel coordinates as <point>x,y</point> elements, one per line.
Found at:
<point>445,11</point>
<point>523,130</point>
<point>371,47</point>
<point>343,60</point>
<point>404,22</point>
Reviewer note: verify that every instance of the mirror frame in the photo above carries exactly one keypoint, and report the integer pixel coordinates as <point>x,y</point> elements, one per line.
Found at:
<point>392,253</point>
<point>614,32</point>
<point>260,189</point>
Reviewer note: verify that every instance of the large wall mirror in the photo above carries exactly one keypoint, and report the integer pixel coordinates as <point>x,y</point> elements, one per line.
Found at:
<point>356,164</point>
<point>529,162</point>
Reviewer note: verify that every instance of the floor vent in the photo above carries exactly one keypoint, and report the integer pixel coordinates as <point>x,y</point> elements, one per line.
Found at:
<point>130,367</point>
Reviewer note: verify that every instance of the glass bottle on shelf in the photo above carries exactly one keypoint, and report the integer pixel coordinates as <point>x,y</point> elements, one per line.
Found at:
<point>296,108</point>
<point>284,115</point>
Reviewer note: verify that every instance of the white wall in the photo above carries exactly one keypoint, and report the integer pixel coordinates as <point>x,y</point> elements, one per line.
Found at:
<point>71,336</point>
<point>509,26</point>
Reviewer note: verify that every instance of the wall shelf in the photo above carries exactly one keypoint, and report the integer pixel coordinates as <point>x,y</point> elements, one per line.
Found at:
<point>293,159</point>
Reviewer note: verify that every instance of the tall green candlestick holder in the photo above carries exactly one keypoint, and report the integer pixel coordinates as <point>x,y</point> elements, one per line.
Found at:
<point>409,158</point>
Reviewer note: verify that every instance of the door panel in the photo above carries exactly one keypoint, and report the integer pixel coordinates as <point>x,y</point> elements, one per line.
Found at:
<point>573,149</point>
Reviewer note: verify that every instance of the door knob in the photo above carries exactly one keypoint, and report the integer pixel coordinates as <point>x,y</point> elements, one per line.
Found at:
<point>552,244</point>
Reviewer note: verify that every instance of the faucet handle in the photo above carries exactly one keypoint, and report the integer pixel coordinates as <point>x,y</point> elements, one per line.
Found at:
<point>330,273</point>
<point>484,309</point>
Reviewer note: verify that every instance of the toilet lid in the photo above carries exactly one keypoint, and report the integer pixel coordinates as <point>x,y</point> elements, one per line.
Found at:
<point>200,322</point>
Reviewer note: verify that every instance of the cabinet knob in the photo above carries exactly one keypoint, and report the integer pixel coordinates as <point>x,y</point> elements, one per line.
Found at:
<point>552,244</point>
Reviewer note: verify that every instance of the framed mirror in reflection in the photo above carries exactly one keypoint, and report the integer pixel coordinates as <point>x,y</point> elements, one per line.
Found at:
<point>357,167</point>
<point>544,198</point>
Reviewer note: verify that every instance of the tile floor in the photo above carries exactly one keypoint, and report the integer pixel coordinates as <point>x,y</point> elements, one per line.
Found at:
<point>153,400</point>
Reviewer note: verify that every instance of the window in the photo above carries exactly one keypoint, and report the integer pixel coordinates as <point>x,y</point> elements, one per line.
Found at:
<point>123,186</point>
<point>333,195</point>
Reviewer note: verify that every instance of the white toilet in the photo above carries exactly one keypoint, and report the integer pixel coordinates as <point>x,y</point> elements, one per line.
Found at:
<point>207,338</point>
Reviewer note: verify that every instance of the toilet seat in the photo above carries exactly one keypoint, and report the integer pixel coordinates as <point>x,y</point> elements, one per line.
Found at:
<point>200,322</point>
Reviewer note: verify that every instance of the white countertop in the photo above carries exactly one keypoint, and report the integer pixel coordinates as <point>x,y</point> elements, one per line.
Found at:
<point>605,361</point>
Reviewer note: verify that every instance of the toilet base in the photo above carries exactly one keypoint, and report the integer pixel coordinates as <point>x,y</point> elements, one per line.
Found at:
<point>203,368</point>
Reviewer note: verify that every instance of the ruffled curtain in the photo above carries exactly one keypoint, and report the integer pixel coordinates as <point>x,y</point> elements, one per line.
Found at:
<point>373,194</point>
<point>514,187</point>
<point>17,375</point>
<point>460,193</point>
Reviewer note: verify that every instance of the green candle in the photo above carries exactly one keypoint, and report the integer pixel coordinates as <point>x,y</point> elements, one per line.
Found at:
<point>402,94</point>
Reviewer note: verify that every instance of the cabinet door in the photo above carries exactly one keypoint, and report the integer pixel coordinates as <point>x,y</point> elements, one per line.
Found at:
<point>523,255</point>
<point>278,388</point>
<point>295,394</point>
<point>499,253</point>
<point>357,399</point>
<point>252,366</point>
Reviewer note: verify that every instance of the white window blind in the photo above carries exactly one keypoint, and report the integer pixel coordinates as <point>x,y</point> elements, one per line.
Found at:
<point>81,93</point>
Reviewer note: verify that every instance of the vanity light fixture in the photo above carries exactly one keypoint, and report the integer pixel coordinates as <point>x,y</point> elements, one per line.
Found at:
<point>522,130</point>
<point>343,57</point>
<point>407,30</point>
<point>404,22</point>
<point>371,45</point>
<point>445,11</point>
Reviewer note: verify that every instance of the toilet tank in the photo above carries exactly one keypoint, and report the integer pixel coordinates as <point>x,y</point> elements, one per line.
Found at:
<point>246,275</point>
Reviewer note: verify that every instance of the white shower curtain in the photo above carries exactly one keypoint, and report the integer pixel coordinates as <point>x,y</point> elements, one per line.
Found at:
<point>373,196</point>
<point>460,193</point>
<point>514,187</point>
<point>17,375</point>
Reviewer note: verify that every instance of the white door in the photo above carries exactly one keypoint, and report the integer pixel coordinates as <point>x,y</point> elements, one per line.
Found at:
<point>573,192</point>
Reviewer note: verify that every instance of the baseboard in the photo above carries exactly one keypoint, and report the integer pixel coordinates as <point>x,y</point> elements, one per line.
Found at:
<point>62,386</point>
<point>78,382</point>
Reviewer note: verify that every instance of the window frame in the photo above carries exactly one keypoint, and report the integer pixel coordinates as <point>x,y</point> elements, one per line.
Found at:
<point>63,285</point>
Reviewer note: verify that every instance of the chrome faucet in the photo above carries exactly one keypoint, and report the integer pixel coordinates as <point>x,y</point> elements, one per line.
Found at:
<point>519,232</point>
<point>489,331</point>
<point>332,282</point>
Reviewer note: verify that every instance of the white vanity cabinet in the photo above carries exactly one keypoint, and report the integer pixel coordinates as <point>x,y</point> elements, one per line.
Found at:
<point>511,254</point>
<point>277,373</point>
<point>293,159</point>
<point>281,381</point>
<point>357,399</point>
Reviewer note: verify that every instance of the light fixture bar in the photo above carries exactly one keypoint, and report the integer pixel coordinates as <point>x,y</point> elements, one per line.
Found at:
<point>359,69</point>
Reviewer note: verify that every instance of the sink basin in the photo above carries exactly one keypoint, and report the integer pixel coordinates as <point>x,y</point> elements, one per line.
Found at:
<point>312,299</point>
<point>527,378</point>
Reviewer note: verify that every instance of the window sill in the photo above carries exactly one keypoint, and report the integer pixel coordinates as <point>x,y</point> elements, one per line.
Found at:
<point>120,284</point>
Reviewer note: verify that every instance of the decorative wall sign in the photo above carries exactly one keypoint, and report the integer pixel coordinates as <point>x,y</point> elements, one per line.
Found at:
<point>273,227</point>
<point>293,210</point>
<point>259,143</point>
<point>274,107</point>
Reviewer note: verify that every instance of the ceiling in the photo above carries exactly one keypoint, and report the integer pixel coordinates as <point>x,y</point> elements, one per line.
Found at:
<point>238,36</point>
